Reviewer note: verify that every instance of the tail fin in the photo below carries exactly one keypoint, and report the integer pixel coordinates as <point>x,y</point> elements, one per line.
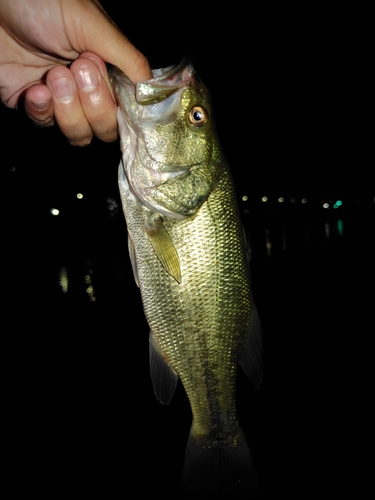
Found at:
<point>219,471</point>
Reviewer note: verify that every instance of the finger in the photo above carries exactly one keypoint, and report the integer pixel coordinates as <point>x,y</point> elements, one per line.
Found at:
<point>97,103</point>
<point>38,104</point>
<point>68,111</point>
<point>97,33</point>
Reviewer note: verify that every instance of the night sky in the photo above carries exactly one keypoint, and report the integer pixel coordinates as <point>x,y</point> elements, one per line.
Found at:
<point>290,102</point>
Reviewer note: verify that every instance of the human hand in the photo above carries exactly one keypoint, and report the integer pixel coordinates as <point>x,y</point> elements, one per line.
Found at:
<point>52,54</point>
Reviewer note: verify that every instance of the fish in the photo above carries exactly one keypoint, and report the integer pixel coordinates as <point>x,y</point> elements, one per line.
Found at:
<point>188,252</point>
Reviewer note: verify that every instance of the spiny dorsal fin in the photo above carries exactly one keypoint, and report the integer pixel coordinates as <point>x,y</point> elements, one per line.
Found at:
<point>164,248</point>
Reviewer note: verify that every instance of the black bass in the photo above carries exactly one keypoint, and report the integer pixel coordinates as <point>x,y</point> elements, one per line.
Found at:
<point>188,253</point>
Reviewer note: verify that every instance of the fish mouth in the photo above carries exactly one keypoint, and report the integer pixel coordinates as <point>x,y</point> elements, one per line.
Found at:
<point>175,189</point>
<point>165,82</point>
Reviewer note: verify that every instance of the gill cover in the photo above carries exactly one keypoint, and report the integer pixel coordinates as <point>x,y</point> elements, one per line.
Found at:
<point>167,141</point>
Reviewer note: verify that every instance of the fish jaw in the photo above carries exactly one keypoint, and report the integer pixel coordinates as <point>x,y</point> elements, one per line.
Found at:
<point>168,161</point>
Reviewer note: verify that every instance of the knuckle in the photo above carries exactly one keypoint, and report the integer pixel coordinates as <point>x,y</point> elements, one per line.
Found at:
<point>80,141</point>
<point>84,142</point>
<point>42,122</point>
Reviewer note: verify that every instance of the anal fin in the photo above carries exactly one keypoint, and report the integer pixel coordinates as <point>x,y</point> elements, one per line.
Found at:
<point>164,379</point>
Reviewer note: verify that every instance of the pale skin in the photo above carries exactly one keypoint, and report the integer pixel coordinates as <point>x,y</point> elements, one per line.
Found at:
<point>52,54</point>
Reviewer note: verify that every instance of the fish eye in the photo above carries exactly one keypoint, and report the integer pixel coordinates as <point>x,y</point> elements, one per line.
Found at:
<point>198,116</point>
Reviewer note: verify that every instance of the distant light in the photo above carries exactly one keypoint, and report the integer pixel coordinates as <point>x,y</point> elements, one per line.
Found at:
<point>12,168</point>
<point>244,198</point>
<point>112,206</point>
<point>340,227</point>
<point>337,204</point>
<point>264,199</point>
<point>268,243</point>
<point>79,196</point>
<point>64,280</point>
<point>281,199</point>
<point>325,205</point>
<point>303,200</point>
<point>293,200</point>
<point>55,211</point>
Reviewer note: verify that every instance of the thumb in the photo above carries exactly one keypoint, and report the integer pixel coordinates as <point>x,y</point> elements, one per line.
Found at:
<point>96,32</point>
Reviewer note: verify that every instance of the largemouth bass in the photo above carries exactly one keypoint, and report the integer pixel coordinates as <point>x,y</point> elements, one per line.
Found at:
<point>188,253</point>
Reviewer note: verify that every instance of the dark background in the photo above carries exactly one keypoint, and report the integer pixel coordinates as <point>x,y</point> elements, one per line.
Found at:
<point>290,98</point>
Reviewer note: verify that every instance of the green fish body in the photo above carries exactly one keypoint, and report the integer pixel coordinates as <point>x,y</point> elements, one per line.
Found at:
<point>188,253</point>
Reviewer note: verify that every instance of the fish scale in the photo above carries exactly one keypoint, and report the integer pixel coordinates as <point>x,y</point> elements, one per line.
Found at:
<point>187,319</point>
<point>189,259</point>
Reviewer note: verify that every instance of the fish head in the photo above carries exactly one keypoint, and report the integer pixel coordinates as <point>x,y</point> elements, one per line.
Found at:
<point>170,153</point>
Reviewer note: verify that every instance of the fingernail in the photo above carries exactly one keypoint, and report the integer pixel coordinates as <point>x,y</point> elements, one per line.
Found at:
<point>40,106</point>
<point>63,88</point>
<point>86,80</point>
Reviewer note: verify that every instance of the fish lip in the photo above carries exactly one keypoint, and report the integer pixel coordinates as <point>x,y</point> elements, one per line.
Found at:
<point>165,82</point>
<point>165,73</point>
<point>170,71</point>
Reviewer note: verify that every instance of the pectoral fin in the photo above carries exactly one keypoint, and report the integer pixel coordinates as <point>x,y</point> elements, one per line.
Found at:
<point>164,248</point>
<point>251,357</point>
<point>164,379</point>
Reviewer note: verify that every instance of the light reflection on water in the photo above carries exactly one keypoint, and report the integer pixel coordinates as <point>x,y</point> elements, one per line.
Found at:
<point>272,231</point>
<point>296,225</point>
<point>291,237</point>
